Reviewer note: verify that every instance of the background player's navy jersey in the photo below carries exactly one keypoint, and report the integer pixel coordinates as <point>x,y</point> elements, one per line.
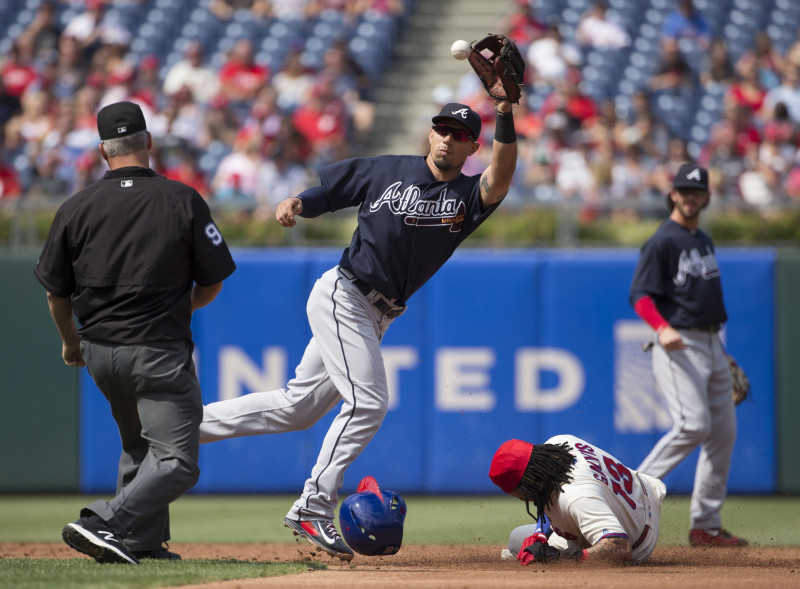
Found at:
<point>678,269</point>
<point>409,223</point>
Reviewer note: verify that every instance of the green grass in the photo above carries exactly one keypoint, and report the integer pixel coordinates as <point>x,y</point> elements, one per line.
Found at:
<point>765,521</point>
<point>45,573</point>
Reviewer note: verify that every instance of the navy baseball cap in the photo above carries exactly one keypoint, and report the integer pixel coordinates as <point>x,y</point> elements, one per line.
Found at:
<point>120,119</point>
<point>691,176</point>
<point>455,111</point>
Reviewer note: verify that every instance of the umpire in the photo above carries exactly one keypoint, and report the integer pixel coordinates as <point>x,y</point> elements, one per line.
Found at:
<point>132,256</point>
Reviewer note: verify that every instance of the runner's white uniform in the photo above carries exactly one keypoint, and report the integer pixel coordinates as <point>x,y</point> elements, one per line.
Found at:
<point>604,500</point>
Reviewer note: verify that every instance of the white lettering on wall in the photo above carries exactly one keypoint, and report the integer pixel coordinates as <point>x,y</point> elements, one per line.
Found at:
<point>462,379</point>
<point>238,372</point>
<point>529,393</point>
<point>396,359</point>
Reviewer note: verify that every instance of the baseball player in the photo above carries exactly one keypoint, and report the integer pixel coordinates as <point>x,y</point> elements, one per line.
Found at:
<point>677,290</point>
<point>414,211</point>
<point>589,504</point>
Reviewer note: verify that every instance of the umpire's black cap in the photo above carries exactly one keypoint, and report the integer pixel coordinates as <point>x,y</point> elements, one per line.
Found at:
<point>456,111</point>
<point>120,119</point>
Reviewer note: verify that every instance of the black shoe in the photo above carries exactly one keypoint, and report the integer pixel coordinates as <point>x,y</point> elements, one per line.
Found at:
<point>96,540</point>
<point>156,554</point>
<point>322,534</point>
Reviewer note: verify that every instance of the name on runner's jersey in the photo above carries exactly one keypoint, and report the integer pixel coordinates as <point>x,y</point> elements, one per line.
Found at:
<point>692,263</point>
<point>410,202</point>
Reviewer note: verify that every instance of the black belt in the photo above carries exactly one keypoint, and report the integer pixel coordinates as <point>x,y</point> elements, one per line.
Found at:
<point>384,305</point>
<point>706,328</point>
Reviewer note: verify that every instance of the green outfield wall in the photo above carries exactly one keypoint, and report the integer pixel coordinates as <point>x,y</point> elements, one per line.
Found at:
<point>40,432</point>
<point>787,317</point>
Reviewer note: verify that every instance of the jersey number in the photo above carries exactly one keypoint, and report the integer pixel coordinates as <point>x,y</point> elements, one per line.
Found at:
<point>213,234</point>
<point>620,473</point>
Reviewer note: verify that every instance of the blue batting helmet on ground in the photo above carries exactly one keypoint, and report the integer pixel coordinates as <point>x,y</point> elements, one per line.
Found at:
<point>371,519</point>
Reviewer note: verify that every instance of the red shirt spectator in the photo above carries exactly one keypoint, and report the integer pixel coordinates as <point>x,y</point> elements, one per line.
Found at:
<point>18,74</point>
<point>240,77</point>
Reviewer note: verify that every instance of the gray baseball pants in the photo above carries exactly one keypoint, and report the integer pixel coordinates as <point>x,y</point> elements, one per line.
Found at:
<point>156,401</point>
<point>341,364</point>
<point>697,384</point>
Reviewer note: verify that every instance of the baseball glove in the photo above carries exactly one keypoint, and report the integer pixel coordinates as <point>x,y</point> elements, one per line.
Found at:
<point>741,384</point>
<point>501,72</point>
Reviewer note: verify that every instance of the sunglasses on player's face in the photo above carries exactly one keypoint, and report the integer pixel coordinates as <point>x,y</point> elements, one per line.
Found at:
<point>458,134</point>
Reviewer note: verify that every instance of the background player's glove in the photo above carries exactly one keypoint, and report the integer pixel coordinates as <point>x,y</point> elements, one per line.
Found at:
<point>502,71</point>
<point>536,549</point>
<point>741,384</point>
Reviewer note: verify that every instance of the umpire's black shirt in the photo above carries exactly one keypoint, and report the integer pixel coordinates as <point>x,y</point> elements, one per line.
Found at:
<point>127,249</point>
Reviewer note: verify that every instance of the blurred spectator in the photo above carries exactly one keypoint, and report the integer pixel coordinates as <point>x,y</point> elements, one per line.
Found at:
<point>640,126</point>
<point>748,90</point>
<point>567,97</point>
<point>574,178</point>
<point>380,8</point>
<point>180,119</point>
<point>19,72</point>
<point>352,86</point>
<point>729,141</point>
<point>293,83</point>
<point>44,31</point>
<point>54,165</point>
<point>686,22</point>
<point>225,9</point>
<point>549,58</point>
<point>631,176</point>
<point>193,73</point>
<point>323,122</point>
<point>71,70</point>
<point>26,131</point>
<point>148,84</point>
<point>10,186</point>
<point>346,10</point>
<point>673,73</point>
<point>717,71</point>
<point>177,160</point>
<point>596,29</point>
<point>220,125</point>
<point>787,93</point>
<point>767,59</point>
<point>10,106</point>
<point>94,27</point>
<point>264,121</point>
<point>521,25</point>
<point>240,77</point>
<point>280,176</point>
<point>237,174</point>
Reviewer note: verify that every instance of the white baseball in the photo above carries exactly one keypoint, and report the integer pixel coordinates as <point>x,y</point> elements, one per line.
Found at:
<point>460,49</point>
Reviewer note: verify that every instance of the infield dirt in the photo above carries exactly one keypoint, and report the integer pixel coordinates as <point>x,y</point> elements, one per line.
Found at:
<point>477,567</point>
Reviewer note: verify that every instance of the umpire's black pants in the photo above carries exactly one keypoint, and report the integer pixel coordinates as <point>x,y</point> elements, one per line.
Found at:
<point>156,401</point>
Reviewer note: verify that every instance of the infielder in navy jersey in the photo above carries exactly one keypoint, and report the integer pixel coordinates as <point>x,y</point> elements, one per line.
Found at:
<point>677,290</point>
<point>414,211</point>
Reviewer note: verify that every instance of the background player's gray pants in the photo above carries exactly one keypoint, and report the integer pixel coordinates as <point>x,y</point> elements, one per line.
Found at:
<point>341,364</point>
<point>697,385</point>
<point>156,401</point>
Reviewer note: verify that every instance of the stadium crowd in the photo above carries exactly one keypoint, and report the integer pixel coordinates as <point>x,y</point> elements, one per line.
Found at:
<point>249,134</point>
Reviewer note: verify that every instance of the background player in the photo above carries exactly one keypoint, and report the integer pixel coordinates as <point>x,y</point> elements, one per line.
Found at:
<point>414,212</point>
<point>677,290</point>
<point>597,507</point>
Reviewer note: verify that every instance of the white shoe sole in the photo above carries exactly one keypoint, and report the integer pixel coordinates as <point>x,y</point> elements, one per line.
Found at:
<point>84,541</point>
<point>297,530</point>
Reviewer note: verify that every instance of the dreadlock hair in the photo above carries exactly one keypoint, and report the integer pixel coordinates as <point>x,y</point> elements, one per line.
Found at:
<point>547,472</point>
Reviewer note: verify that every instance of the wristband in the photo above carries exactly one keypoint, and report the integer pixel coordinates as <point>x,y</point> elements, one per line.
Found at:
<point>504,131</point>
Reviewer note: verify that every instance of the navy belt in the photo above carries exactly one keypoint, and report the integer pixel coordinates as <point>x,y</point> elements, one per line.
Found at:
<point>383,304</point>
